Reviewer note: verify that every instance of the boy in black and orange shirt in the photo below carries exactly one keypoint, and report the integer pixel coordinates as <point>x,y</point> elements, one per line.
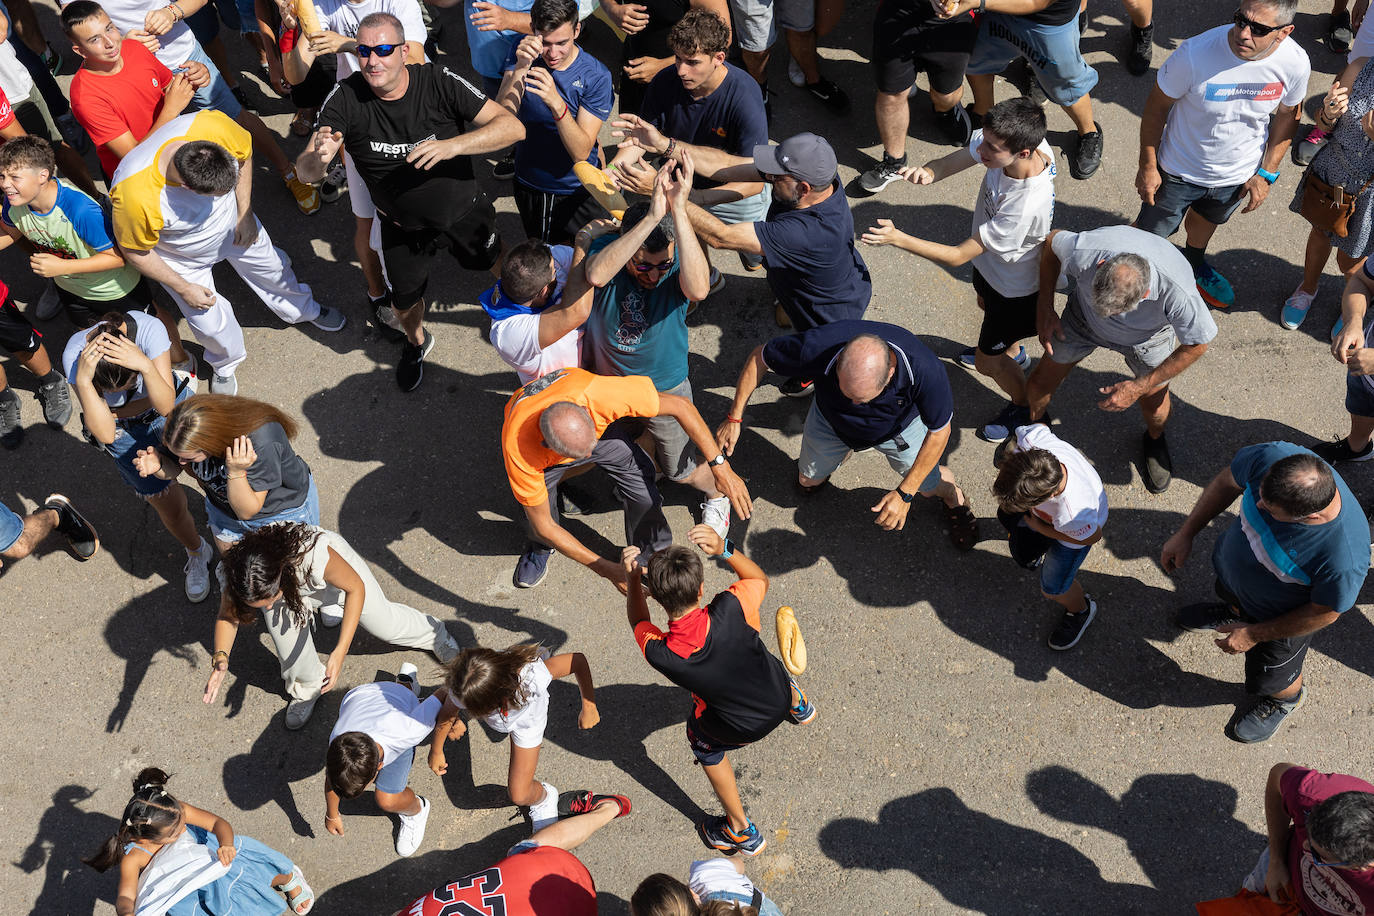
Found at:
<point>741,691</point>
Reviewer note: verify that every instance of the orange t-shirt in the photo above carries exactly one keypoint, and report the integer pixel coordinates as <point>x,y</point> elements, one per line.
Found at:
<point>606,398</point>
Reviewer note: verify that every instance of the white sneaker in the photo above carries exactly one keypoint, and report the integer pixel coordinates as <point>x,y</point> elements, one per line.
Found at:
<point>412,830</point>
<point>48,303</point>
<point>545,811</point>
<point>188,365</point>
<point>409,676</point>
<point>224,384</point>
<point>716,513</point>
<point>331,615</point>
<point>197,571</point>
<point>794,73</point>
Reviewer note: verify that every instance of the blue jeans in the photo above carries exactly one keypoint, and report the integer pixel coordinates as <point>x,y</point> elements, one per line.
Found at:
<point>232,530</point>
<point>11,526</point>
<point>822,450</point>
<point>133,434</point>
<point>214,94</point>
<point>766,907</point>
<point>1061,561</point>
<point>395,776</point>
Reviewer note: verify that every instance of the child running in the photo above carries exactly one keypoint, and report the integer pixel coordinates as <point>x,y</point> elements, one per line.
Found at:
<point>741,691</point>
<point>1052,503</point>
<point>509,690</point>
<point>177,859</point>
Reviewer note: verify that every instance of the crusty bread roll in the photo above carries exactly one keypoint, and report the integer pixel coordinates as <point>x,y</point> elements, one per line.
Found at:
<point>790,642</point>
<point>307,17</point>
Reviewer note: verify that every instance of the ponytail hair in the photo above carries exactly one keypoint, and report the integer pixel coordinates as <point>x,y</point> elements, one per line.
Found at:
<point>148,816</point>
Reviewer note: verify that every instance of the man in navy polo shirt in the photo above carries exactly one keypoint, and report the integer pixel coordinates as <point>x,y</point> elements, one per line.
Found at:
<point>706,102</point>
<point>1291,563</point>
<point>562,95</point>
<point>877,386</point>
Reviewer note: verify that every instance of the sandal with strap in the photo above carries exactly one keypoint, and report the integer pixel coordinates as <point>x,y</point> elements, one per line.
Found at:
<point>302,123</point>
<point>963,526</point>
<point>304,900</point>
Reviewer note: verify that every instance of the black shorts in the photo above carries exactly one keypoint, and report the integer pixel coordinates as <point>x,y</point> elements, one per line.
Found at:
<point>409,253</point>
<point>905,42</point>
<point>17,334</point>
<point>86,312</point>
<point>1272,666</point>
<point>33,115</point>
<point>555,218</point>
<point>1006,319</point>
<point>319,80</point>
<point>707,750</point>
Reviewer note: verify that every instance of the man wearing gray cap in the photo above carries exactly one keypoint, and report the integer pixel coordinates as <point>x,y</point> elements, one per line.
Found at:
<point>807,241</point>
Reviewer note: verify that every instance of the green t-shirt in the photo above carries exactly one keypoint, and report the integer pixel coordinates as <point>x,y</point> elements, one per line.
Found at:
<point>75,227</point>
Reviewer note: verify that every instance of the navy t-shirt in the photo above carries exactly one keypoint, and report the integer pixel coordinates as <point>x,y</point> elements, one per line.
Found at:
<point>918,386</point>
<point>816,273</point>
<point>541,159</point>
<point>1257,561</point>
<point>731,118</point>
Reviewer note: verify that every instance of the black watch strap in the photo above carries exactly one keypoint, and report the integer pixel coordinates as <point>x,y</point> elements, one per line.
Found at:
<point>906,497</point>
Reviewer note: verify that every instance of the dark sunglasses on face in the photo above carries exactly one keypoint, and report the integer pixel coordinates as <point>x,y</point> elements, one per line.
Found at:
<point>664,266</point>
<point>1257,29</point>
<point>366,51</point>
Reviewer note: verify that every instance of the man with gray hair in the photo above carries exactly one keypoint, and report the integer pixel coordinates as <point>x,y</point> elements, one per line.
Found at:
<point>1132,292</point>
<point>1215,130</point>
<point>877,386</point>
<point>566,420</point>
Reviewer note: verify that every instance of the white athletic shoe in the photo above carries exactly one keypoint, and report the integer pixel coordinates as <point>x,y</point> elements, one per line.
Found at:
<point>545,811</point>
<point>794,73</point>
<point>412,831</point>
<point>409,677</point>
<point>716,513</point>
<point>224,384</point>
<point>198,572</point>
<point>331,615</point>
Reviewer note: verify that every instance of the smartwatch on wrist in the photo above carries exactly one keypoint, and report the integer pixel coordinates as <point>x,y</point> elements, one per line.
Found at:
<point>1267,175</point>
<point>729,550</point>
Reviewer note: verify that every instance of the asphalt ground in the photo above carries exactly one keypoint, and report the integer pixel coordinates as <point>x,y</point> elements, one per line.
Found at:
<point>957,765</point>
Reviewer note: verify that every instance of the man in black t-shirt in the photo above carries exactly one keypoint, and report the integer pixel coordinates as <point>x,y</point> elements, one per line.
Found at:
<point>403,126</point>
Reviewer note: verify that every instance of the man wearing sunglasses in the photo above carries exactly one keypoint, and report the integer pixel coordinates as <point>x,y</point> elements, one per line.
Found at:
<point>1321,841</point>
<point>1216,128</point>
<point>403,124</point>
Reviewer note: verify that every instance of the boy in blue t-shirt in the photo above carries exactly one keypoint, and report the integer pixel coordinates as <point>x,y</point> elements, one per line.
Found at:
<point>562,96</point>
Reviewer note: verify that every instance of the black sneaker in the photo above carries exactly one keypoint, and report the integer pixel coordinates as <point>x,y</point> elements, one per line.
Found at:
<point>11,426</point>
<point>504,169</point>
<point>1158,467</point>
<point>1340,450</point>
<point>56,401</point>
<point>410,369</point>
<point>1088,156</point>
<point>1034,91</point>
<point>797,388</point>
<point>1338,32</point>
<point>829,95</point>
<point>1264,718</point>
<point>1142,49</point>
<point>883,174</point>
<point>1072,627</point>
<point>955,125</point>
<point>243,98</point>
<point>80,534</point>
<point>1205,616</point>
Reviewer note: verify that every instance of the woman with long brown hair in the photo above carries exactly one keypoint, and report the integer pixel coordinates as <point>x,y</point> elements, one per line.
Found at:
<point>239,450</point>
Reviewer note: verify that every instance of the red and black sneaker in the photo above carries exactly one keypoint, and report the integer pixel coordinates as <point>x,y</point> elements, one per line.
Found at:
<point>581,801</point>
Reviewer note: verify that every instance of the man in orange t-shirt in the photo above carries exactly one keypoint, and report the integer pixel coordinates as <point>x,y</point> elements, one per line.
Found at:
<point>566,420</point>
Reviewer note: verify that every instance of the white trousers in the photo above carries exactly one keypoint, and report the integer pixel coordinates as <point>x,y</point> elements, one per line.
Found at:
<point>266,270</point>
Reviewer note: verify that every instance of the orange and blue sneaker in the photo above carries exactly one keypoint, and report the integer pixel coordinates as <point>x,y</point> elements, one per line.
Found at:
<point>1213,287</point>
<point>717,833</point>
<point>802,710</point>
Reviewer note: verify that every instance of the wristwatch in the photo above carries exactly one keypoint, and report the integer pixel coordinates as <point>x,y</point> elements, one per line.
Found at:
<point>1267,175</point>
<point>716,461</point>
<point>906,497</point>
<point>729,550</point>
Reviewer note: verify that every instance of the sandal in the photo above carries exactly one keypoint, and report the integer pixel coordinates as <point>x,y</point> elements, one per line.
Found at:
<point>304,900</point>
<point>301,123</point>
<point>963,526</point>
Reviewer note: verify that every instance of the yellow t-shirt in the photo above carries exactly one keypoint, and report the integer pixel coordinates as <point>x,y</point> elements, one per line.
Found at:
<point>147,207</point>
<point>606,398</point>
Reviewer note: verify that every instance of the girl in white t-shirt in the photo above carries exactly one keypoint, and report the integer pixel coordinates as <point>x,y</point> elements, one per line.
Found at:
<point>715,887</point>
<point>509,690</point>
<point>1053,506</point>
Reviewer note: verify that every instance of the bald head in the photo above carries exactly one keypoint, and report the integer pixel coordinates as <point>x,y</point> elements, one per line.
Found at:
<point>568,430</point>
<point>865,365</point>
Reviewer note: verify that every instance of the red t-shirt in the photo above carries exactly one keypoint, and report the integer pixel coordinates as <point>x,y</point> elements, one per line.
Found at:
<point>6,112</point>
<point>110,104</point>
<point>1322,890</point>
<point>545,881</point>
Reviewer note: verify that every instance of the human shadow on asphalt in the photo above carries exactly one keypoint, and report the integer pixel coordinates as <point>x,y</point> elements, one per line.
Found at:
<point>162,621</point>
<point>979,862</point>
<point>1170,822</point>
<point>66,832</point>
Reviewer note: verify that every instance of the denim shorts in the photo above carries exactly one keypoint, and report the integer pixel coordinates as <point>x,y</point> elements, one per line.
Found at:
<point>232,530</point>
<point>1060,561</point>
<point>393,777</point>
<point>766,906</point>
<point>822,450</point>
<point>214,94</point>
<point>1175,196</point>
<point>1061,567</point>
<point>1051,50</point>
<point>753,24</point>
<point>1359,399</point>
<point>1078,343</point>
<point>133,434</point>
<point>11,526</point>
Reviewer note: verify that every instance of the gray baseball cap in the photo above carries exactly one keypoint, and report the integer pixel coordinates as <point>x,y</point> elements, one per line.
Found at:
<point>806,157</point>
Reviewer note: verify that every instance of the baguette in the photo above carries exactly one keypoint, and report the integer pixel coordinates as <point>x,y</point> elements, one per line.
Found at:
<point>790,642</point>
